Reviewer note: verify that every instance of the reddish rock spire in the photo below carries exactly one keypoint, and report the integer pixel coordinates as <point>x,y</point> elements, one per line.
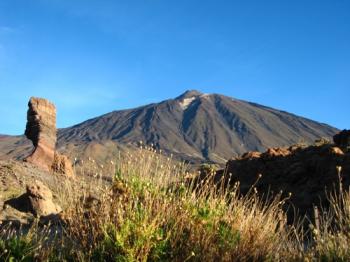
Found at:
<point>41,130</point>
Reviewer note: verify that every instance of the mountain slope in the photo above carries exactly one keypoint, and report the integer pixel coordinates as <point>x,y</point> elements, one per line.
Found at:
<point>199,126</point>
<point>14,147</point>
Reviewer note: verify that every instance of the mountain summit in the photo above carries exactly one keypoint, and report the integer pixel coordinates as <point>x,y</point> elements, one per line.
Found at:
<point>197,126</point>
<point>189,94</point>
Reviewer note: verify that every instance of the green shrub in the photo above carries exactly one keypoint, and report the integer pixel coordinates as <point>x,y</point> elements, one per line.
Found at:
<point>17,249</point>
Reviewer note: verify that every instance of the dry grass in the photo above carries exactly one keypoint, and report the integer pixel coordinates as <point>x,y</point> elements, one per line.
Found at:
<point>331,228</point>
<point>154,211</point>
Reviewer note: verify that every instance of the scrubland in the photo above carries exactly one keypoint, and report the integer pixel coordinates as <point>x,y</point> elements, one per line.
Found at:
<point>151,209</point>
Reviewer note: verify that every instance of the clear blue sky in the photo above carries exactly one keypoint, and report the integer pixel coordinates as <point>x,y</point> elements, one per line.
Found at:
<point>92,57</point>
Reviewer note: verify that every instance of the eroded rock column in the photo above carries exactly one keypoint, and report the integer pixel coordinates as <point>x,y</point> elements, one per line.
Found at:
<point>41,130</point>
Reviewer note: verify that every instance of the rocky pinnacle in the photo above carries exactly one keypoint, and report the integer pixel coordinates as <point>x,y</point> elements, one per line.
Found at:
<point>41,130</point>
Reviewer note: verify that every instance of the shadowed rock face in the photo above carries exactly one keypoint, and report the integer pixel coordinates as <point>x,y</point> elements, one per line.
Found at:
<point>342,139</point>
<point>41,130</point>
<point>305,171</point>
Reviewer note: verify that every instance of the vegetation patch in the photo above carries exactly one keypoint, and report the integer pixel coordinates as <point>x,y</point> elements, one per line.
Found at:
<point>152,212</point>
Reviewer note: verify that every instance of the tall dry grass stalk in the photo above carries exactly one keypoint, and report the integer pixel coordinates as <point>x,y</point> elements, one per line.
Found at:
<point>331,228</point>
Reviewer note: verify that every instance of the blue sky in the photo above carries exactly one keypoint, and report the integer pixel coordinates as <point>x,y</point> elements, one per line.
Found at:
<point>92,57</point>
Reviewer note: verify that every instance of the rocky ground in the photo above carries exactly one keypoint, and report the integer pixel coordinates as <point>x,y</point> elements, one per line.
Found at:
<point>14,176</point>
<point>17,176</point>
<point>37,180</point>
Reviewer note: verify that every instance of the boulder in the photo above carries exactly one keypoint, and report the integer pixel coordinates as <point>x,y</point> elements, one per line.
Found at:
<point>41,130</point>
<point>37,200</point>
<point>40,198</point>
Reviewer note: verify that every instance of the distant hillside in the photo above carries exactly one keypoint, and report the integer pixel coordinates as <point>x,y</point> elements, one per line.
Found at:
<point>196,126</point>
<point>16,147</point>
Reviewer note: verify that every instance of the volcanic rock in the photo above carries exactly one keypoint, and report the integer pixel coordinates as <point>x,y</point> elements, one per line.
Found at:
<point>336,151</point>
<point>275,152</point>
<point>41,130</point>
<point>306,172</point>
<point>342,139</point>
<point>251,154</point>
<point>37,200</point>
<point>62,165</point>
<point>40,198</point>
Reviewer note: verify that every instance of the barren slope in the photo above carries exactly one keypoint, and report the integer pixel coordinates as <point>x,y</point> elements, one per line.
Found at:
<point>209,127</point>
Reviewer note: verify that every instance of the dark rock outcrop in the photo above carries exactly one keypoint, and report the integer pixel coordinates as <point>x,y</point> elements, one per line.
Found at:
<point>306,172</point>
<point>342,139</point>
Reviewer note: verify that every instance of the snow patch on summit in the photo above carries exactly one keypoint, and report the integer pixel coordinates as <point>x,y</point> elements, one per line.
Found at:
<point>186,102</point>
<point>206,96</point>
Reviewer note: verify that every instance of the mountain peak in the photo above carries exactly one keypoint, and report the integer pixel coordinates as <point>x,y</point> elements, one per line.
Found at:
<point>189,94</point>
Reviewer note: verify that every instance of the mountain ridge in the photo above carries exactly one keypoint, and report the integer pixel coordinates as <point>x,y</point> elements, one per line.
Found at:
<point>211,127</point>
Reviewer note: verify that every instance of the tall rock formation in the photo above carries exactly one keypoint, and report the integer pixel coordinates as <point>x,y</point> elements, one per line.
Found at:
<point>41,130</point>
